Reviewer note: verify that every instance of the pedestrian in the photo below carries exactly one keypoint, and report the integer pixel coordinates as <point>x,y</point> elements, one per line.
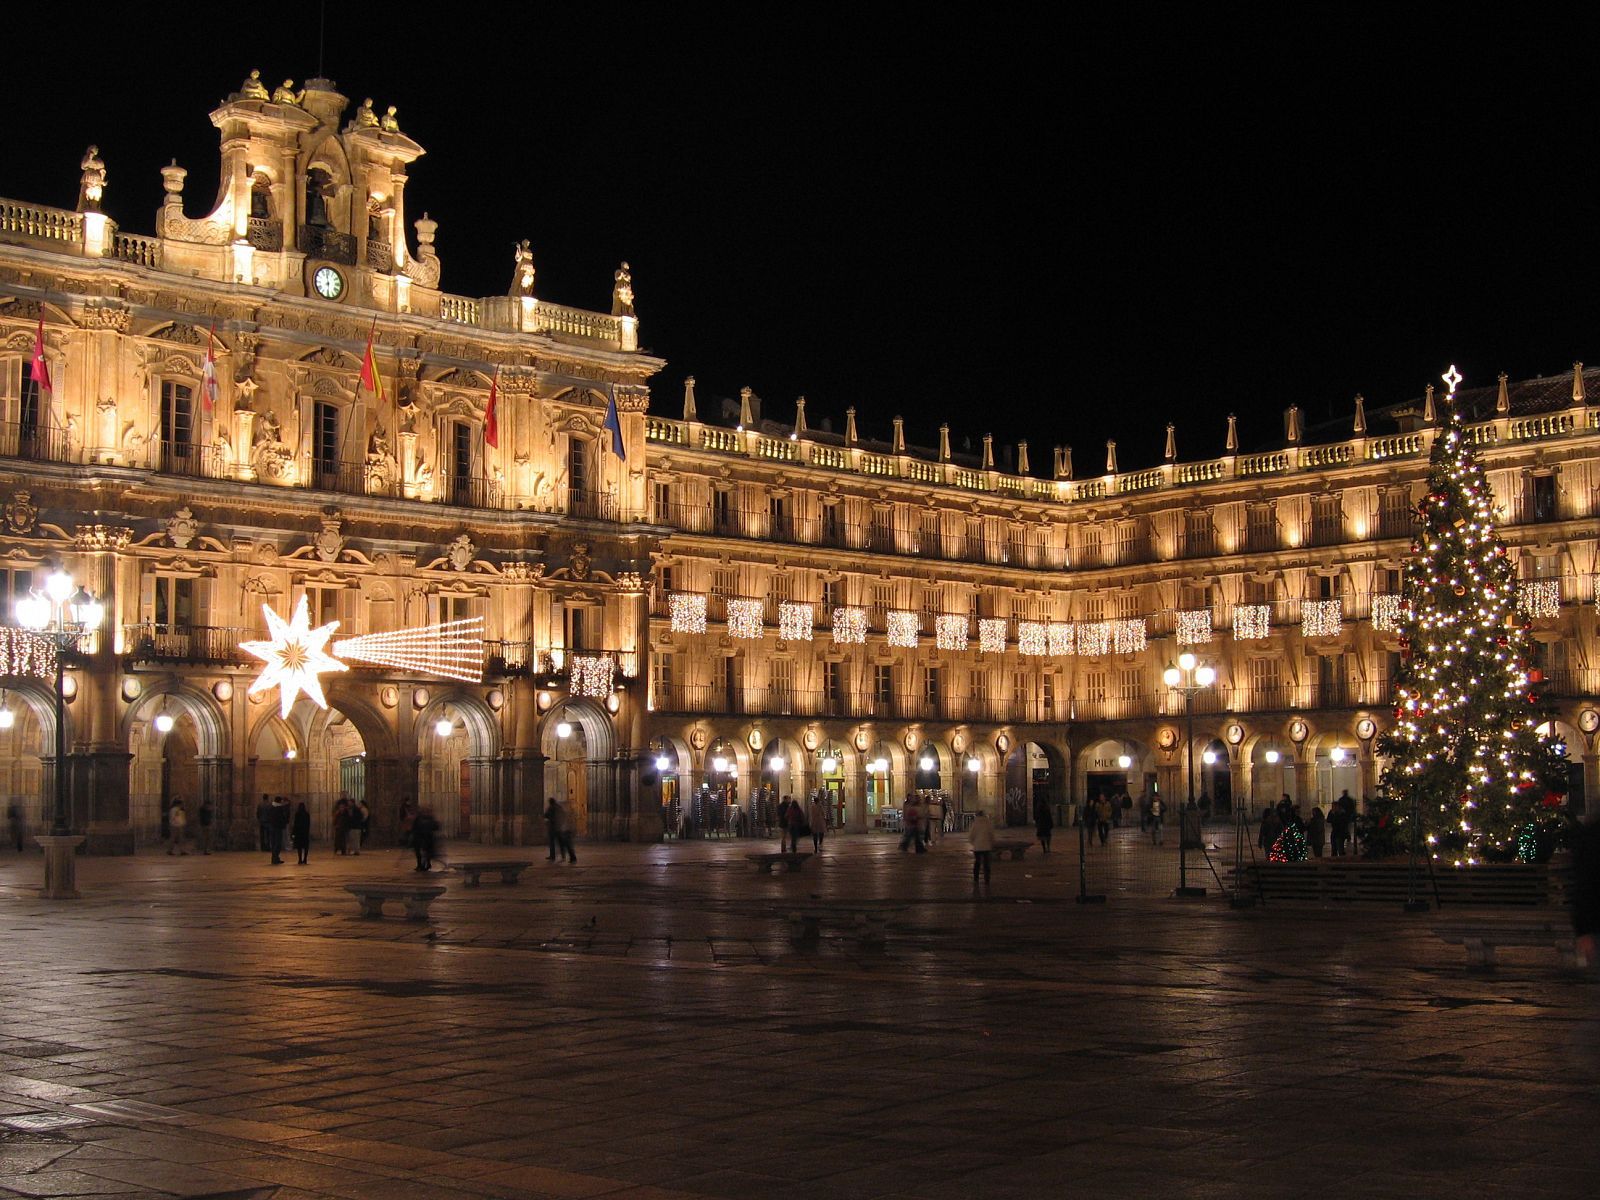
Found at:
<point>1271,827</point>
<point>423,831</point>
<point>300,833</point>
<point>1158,815</point>
<point>932,818</point>
<point>341,825</point>
<point>1584,891</point>
<point>1043,822</point>
<point>1316,832</point>
<point>911,824</point>
<point>1144,810</point>
<point>981,835</point>
<point>205,814</point>
<point>14,825</point>
<point>818,817</point>
<point>564,831</point>
<point>799,825</point>
<point>1339,820</point>
<point>1102,817</point>
<point>363,823</point>
<point>552,812</point>
<point>264,821</point>
<point>783,825</point>
<point>177,823</point>
<point>278,821</point>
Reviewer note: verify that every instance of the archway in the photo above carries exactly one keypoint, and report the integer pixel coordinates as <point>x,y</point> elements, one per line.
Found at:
<point>716,807</point>
<point>1214,779</point>
<point>27,740</point>
<point>1034,772</point>
<point>313,757</point>
<point>671,759</point>
<point>1116,767</point>
<point>457,739</point>
<point>177,737</point>
<point>832,761</point>
<point>1336,767</point>
<point>1272,772</point>
<point>880,770</point>
<point>578,745</point>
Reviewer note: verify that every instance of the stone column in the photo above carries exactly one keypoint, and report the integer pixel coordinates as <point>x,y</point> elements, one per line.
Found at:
<point>97,799</point>
<point>485,819</point>
<point>647,798</point>
<point>216,785</point>
<point>522,799</point>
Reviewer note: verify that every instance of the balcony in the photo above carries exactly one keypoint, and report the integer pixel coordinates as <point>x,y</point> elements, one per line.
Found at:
<point>195,462</point>
<point>216,645</point>
<point>465,491</point>
<point>355,479</point>
<point>320,241</point>
<point>28,440</point>
<point>264,234</point>
<point>591,505</point>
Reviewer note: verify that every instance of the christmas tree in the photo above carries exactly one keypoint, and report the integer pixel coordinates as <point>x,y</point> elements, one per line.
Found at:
<point>1465,750</point>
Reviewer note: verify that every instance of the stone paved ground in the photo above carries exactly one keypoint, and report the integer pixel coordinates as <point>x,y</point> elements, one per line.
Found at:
<point>638,1026</point>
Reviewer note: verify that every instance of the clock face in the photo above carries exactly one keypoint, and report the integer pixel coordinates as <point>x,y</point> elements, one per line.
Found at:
<point>1365,729</point>
<point>1589,720</point>
<point>328,282</point>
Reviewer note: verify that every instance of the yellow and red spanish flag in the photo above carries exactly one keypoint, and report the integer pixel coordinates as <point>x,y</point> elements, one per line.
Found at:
<point>370,379</point>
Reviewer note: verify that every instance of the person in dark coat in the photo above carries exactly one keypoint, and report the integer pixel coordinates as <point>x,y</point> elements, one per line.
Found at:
<point>1271,827</point>
<point>1316,831</point>
<point>279,814</point>
<point>1585,889</point>
<point>1339,819</point>
<point>424,834</point>
<point>1043,822</point>
<point>300,833</point>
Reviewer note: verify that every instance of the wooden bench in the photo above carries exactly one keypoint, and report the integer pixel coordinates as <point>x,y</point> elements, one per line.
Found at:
<point>509,869</point>
<point>869,922</point>
<point>1012,850</point>
<point>767,861</point>
<point>1480,938</point>
<point>416,898</point>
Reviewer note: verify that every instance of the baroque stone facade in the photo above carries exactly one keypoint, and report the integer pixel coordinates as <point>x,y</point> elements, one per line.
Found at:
<point>736,610</point>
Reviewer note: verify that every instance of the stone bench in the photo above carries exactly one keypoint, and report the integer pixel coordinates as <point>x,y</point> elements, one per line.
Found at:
<point>767,861</point>
<point>416,898</point>
<point>509,869</point>
<point>1480,938</point>
<point>1012,850</point>
<point>869,922</point>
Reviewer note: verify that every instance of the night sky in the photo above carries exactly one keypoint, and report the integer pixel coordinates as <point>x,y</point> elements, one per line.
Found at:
<point>1061,231</point>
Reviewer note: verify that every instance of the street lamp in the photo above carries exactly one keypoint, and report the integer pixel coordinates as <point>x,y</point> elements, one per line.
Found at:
<point>63,614</point>
<point>1188,678</point>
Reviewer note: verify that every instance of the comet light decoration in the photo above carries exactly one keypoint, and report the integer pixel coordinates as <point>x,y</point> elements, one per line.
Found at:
<point>297,656</point>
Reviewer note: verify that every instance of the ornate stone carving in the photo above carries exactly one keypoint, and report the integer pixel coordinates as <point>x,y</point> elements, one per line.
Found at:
<point>205,233</point>
<point>186,335</point>
<point>102,537</point>
<point>630,581</point>
<point>268,455</point>
<point>632,397</point>
<point>107,316</point>
<point>461,553</point>
<point>579,563</point>
<point>329,542</point>
<point>21,513</point>
<point>181,528</point>
<point>523,273</point>
<point>523,572</point>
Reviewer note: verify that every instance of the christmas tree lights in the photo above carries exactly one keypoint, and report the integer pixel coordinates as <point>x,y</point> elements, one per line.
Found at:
<point>1465,753</point>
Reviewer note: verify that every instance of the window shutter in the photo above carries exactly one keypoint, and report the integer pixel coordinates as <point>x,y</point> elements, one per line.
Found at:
<point>147,598</point>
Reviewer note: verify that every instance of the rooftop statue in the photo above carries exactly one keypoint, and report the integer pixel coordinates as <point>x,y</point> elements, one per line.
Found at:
<point>391,122</point>
<point>522,277</point>
<point>253,88</point>
<point>285,94</point>
<point>94,181</point>
<point>365,117</point>
<point>622,293</point>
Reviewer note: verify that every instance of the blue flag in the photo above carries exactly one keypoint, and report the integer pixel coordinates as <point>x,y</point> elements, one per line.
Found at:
<point>614,424</point>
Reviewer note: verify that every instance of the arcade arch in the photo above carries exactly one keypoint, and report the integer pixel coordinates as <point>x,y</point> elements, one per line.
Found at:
<point>178,738</point>
<point>578,743</point>
<point>457,740</point>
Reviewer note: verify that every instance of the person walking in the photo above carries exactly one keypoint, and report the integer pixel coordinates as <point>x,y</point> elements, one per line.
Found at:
<point>552,813</point>
<point>1158,818</point>
<point>911,820</point>
<point>177,823</point>
<point>363,824</point>
<point>1271,827</point>
<point>932,818</point>
<point>264,821</point>
<point>205,814</point>
<point>14,826</point>
<point>799,825</point>
<point>981,836</point>
<point>564,831</point>
<point>341,825</point>
<point>1043,823</point>
<point>278,820</point>
<point>423,831</point>
<point>1339,820</point>
<point>1102,817</point>
<point>1317,831</point>
<point>818,817</point>
<point>300,833</point>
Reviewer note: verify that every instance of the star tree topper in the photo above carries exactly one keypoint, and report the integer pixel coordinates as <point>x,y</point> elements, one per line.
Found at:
<point>295,656</point>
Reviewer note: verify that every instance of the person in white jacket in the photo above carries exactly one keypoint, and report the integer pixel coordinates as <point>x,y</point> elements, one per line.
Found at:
<point>817,815</point>
<point>982,837</point>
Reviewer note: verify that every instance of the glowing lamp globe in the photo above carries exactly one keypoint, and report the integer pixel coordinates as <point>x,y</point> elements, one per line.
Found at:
<point>1336,754</point>
<point>974,766</point>
<point>164,722</point>
<point>830,765</point>
<point>926,762</point>
<point>58,586</point>
<point>443,726</point>
<point>1170,676</point>
<point>7,718</point>
<point>1209,758</point>
<point>1205,676</point>
<point>33,612</point>
<point>663,763</point>
<point>563,729</point>
<point>719,763</point>
<point>1124,761</point>
<point>1187,660</point>
<point>1271,756</point>
<point>777,762</point>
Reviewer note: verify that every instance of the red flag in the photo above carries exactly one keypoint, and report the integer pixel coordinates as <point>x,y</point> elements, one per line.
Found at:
<point>40,371</point>
<point>370,378</point>
<point>208,372</point>
<point>491,427</point>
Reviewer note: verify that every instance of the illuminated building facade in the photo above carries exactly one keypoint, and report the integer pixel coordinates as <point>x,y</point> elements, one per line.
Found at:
<point>734,609</point>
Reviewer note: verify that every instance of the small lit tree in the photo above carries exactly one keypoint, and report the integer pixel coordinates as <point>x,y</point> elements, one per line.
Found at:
<point>1465,754</point>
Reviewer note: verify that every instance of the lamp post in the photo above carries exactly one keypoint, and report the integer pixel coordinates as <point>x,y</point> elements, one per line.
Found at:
<point>1189,677</point>
<point>63,614</point>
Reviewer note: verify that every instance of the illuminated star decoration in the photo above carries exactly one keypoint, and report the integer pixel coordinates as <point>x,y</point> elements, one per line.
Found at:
<point>1451,378</point>
<point>295,657</point>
